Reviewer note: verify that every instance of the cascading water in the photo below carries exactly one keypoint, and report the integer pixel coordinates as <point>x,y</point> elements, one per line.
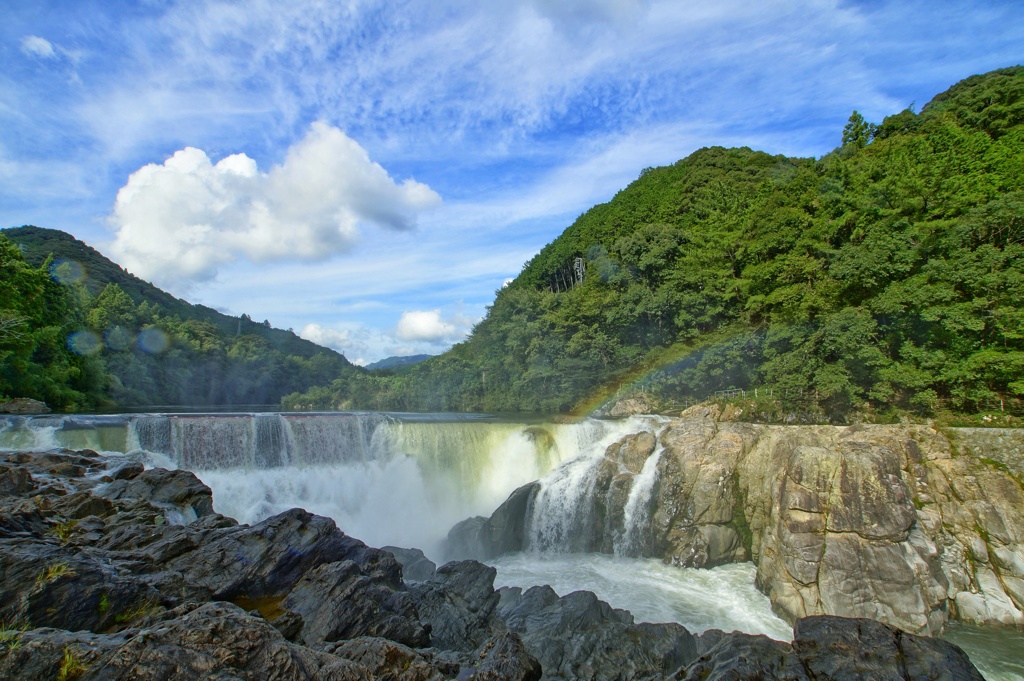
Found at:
<point>596,502</point>
<point>387,479</point>
<point>404,480</point>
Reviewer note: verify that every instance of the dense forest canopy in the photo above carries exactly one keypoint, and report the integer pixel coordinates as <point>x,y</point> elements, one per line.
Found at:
<point>885,275</point>
<point>79,332</point>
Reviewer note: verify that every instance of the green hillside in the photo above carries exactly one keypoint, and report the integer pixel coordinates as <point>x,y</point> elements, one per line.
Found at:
<point>38,244</point>
<point>885,277</point>
<point>105,338</point>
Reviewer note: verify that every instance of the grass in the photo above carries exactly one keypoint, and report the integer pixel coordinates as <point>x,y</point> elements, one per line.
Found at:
<point>63,530</point>
<point>71,666</point>
<point>140,609</point>
<point>54,572</point>
<point>10,633</point>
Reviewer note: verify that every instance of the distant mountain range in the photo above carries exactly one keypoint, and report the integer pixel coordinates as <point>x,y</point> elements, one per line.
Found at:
<point>396,362</point>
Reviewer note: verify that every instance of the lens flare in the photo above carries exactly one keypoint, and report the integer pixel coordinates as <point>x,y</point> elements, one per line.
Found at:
<point>85,343</point>
<point>153,340</point>
<point>67,272</point>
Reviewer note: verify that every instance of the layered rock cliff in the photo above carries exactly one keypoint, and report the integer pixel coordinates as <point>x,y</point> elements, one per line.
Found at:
<point>904,524</point>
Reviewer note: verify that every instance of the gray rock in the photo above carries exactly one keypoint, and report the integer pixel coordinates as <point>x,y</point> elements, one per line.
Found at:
<point>579,636</point>
<point>339,601</point>
<point>416,567</point>
<point>459,603</point>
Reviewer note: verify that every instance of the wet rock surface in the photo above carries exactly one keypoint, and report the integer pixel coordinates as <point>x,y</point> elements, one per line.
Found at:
<point>904,524</point>
<point>111,571</point>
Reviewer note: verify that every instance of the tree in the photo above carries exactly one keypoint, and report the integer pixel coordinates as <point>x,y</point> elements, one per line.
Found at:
<point>857,132</point>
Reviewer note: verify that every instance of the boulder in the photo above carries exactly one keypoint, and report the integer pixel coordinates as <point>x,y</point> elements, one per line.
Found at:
<point>459,603</point>
<point>416,567</point>
<point>340,601</point>
<point>23,405</point>
<point>579,636</point>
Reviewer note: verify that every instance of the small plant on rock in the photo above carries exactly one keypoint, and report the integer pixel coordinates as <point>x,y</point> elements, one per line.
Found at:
<point>63,530</point>
<point>71,666</point>
<point>10,633</point>
<point>140,609</point>
<point>54,572</point>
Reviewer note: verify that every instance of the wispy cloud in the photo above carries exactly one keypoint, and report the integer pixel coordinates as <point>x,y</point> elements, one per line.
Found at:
<point>38,47</point>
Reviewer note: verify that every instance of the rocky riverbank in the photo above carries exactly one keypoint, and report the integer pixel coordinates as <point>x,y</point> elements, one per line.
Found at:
<point>111,571</point>
<point>904,524</point>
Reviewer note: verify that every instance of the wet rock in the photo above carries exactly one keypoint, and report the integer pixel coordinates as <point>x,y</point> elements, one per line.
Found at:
<point>416,567</point>
<point>579,636</point>
<point>504,532</point>
<point>459,604</point>
<point>841,648</point>
<point>23,405</point>
<point>178,488</point>
<point>339,601</point>
<point>742,656</point>
<point>269,558</point>
<point>213,640</point>
<point>505,657</point>
<point>15,481</point>
<point>383,659</point>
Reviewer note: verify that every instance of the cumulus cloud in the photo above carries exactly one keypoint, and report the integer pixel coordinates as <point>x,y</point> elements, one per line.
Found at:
<point>177,222</point>
<point>38,47</point>
<point>425,326</point>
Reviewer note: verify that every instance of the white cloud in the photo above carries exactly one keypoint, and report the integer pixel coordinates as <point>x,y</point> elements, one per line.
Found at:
<point>427,325</point>
<point>178,222</point>
<point>38,47</point>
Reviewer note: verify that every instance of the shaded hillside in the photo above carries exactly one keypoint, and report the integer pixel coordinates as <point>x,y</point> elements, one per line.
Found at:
<point>117,341</point>
<point>397,363</point>
<point>886,275</point>
<point>39,243</point>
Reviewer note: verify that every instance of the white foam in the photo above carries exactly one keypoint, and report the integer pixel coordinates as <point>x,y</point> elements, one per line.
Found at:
<point>720,598</point>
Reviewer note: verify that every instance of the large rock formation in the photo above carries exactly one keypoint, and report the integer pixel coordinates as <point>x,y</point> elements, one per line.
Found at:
<point>114,572</point>
<point>903,524</point>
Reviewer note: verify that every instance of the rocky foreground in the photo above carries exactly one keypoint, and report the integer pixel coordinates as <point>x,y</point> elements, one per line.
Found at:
<point>110,571</point>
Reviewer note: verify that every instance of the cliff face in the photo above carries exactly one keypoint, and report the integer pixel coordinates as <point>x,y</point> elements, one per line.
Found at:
<point>903,524</point>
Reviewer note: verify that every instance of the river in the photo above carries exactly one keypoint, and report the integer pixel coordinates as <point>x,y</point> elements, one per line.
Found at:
<point>405,479</point>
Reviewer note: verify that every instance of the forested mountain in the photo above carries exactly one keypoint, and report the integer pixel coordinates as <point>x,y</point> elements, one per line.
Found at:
<point>397,363</point>
<point>78,332</point>
<point>886,275</point>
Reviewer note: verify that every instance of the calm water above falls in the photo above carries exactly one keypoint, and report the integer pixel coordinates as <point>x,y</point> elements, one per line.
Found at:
<point>406,479</point>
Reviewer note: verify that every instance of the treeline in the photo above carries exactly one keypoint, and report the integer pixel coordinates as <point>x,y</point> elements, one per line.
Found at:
<point>75,349</point>
<point>884,276</point>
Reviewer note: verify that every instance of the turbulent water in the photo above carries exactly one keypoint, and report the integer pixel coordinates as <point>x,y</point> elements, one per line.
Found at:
<point>404,480</point>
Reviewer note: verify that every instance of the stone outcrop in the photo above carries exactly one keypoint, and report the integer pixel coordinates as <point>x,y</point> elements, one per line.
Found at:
<point>23,405</point>
<point>903,524</point>
<point>114,572</point>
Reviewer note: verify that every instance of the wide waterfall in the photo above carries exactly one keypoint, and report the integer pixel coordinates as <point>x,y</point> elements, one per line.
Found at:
<point>397,479</point>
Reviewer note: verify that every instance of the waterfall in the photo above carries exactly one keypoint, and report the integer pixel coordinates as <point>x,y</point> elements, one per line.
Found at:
<point>385,478</point>
<point>637,512</point>
<point>600,500</point>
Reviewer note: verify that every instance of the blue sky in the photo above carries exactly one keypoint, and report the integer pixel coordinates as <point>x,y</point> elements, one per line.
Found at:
<point>368,173</point>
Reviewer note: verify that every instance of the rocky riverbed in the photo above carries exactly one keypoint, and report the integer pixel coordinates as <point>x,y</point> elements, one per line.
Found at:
<point>906,524</point>
<point>112,571</point>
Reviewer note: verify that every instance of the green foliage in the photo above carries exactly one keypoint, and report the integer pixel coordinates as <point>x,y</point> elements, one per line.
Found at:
<point>71,666</point>
<point>887,275</point>
<point>54,572</point>
<point>36,316</point>
<point>86,333</point>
